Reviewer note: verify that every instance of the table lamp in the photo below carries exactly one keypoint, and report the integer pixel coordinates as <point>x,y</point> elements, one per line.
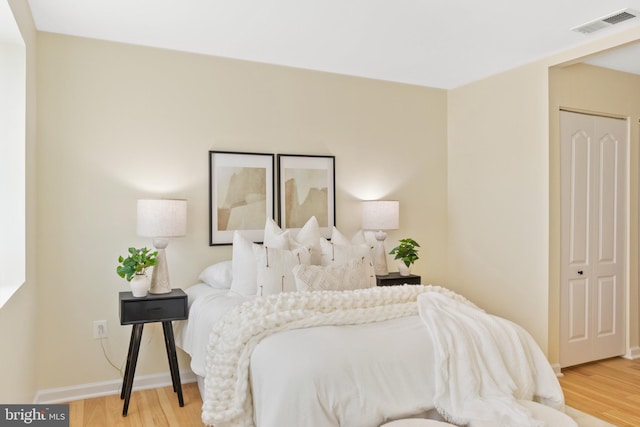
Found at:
<point>161,219</point>
<point>379,216</point>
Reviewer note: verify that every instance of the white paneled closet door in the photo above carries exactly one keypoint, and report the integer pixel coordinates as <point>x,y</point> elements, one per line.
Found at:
<point>594,231</point>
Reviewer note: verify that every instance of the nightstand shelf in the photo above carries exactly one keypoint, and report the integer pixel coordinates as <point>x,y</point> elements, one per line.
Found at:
<point>153,308</point>
<point>395,279</point>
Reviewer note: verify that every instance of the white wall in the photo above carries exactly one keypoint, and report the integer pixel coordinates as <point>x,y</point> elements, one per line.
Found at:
<point>18,327</point>
<point>118,122</point>
<point>498,195</point>
<point>12,155</point>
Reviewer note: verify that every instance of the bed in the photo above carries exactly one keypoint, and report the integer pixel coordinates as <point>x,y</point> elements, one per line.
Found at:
<point>308,354</point>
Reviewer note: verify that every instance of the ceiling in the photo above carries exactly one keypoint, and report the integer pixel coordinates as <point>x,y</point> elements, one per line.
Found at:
<point>625,59</point>
<point>9,32</point>
<point>434,43</point>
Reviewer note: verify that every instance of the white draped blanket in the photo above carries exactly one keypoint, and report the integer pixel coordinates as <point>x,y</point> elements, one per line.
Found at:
<point>484,365</point>
<point>227,400</point>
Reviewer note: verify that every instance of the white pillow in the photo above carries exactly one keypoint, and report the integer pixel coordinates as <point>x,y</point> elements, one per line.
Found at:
<point>335,254</point>
<point>218,275</point>
<point>246,256</point>
<point>340,239</point>
<point>244,269</point>
<point>355,274</point>
<point>275,269</point>
<point>309,236</point>
<point>274,236</point>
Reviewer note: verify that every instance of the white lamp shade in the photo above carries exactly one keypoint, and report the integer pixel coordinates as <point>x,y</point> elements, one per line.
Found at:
<point>381,215</point>
<point>162,218</point>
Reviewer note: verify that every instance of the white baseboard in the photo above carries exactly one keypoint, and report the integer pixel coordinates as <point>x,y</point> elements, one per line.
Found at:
<point>106,388</point>
<point>557,370</point>
<point>632,353</point>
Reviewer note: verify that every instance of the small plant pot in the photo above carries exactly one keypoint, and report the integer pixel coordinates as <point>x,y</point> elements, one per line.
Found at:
<point>403,269</point>
<point>140,285</point>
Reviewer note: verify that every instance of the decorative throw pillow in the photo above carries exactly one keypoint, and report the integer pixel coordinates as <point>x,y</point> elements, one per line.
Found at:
<point>340,239</point>
<point>245,256</point>
<point>335,254</point>
<point>275,269</point>
<point>274,236</point>
<point>218,275</point>
<point>355,274</point>
<point>309,236</point>
<point>243,265</point>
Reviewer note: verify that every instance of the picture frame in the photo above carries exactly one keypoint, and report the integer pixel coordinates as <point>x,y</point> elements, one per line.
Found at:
<point>241,195</point>
<point>306,188</point>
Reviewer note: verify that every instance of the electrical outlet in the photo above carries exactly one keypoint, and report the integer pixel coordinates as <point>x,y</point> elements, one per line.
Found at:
<point>100,329</point>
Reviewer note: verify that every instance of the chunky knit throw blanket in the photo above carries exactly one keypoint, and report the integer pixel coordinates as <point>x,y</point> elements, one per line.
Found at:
<point>227,400</point>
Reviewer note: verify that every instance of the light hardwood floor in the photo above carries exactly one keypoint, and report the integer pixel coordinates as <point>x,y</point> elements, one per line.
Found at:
<point>147,408</point>
<point>608,389</point>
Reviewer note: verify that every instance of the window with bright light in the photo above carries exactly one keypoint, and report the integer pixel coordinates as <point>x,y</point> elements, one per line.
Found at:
<point>12,155</point>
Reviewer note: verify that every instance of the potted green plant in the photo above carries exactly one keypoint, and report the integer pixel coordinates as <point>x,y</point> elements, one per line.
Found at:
<point>133,268</point>
<point>407,254</point>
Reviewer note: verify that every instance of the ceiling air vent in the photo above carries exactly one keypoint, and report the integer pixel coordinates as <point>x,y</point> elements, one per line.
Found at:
<point>619,17</point>
<point>606,21</point>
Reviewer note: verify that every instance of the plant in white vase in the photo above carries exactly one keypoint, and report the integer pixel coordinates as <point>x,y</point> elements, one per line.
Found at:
<point>133,268</point>
<point>407,254</point>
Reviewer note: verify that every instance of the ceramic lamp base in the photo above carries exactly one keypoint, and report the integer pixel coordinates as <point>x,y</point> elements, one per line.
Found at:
<point>160,276</point>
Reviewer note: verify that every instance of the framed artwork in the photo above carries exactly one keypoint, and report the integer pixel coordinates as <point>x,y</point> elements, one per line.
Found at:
<point>241,195</point>
<point>306,188</point>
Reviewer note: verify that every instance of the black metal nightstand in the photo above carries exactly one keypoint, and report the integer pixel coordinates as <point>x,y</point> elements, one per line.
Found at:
<point>395,279</point>
<point>153,308</point>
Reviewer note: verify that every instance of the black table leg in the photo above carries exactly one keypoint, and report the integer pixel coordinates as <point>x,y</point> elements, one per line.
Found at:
<point>136,336</point>
<point>126,371</point>
<point>173,360</point>
<point>167,345</point>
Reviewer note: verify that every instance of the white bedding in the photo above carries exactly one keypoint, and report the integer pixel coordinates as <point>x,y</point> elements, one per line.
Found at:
<point>343,376</point>
<point>206,306</point>
<point>358,375</point>
<point>299,387</point>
